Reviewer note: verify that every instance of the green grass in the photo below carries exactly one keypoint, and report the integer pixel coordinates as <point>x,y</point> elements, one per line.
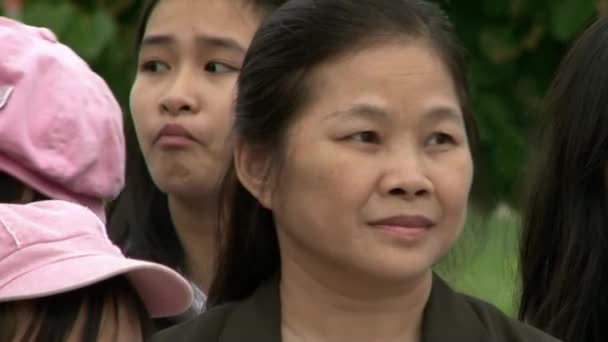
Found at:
<point>484,261</point>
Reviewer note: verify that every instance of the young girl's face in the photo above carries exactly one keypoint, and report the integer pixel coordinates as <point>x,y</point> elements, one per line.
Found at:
<point>378,167</point>
<point>182,97</point>
<point>118,324</point>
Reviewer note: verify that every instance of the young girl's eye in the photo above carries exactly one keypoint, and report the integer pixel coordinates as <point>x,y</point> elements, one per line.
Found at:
<point>154,66</point>
<point>217,67</point>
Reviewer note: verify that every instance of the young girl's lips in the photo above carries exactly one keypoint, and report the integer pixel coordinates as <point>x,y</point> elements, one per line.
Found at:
<point>174,141</point>
<point>174,135</point>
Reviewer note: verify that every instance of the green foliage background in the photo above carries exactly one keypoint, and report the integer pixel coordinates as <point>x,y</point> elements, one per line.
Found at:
<point>514,49</point>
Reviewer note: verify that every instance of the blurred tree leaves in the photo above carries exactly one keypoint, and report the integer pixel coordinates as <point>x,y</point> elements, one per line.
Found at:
<point>87,33</point>
<point>567,17</point>
<point>56,17</point>
<point>99,31</point>
<point>514,47</point>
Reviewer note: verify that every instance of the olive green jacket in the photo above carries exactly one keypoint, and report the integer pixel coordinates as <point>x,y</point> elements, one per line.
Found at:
<point>448,316</point>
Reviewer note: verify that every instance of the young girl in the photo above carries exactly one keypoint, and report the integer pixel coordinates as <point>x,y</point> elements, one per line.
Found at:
<point>353,168</point>
<point>564,250</point>
<point>190,53</point>
<point>61,279</point>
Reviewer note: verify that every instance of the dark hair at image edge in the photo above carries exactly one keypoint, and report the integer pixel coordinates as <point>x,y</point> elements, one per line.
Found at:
<point>273,86</point>
<point>139,220</point>
<point>564,241</point>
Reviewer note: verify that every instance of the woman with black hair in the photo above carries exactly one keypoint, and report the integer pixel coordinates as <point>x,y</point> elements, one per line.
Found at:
<point>351,175</point>
<point>564,244</point>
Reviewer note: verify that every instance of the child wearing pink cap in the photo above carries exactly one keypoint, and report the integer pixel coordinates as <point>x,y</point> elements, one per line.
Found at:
<point>62,279</point>
<point>61,138</point>
<point>61,132</point>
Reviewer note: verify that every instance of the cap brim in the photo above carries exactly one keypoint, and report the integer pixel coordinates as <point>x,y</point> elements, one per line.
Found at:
<point>163,291</point>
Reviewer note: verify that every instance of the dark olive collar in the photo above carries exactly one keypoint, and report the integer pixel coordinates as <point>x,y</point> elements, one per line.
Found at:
<point>447,317</point>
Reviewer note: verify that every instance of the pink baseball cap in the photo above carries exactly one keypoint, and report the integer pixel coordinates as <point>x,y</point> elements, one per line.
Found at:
<point>61,129</point>
<point>54,246</point>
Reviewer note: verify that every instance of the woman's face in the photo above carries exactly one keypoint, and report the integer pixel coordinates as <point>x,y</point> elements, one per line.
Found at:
<point>181,100</point>
<point>378,167</point>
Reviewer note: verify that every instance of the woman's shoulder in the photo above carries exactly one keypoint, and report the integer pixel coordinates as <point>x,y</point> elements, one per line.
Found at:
<point>450,313</point>
<point>449,316</point>
<point>206,327</point>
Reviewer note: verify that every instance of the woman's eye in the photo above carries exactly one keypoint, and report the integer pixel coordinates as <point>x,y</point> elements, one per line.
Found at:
<point>441,139</point>
<point>216,67</point>
<point>154,66</point>
<point>369,137</point>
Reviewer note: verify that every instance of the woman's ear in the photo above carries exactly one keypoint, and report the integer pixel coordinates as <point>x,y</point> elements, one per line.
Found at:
<point>253,169</point>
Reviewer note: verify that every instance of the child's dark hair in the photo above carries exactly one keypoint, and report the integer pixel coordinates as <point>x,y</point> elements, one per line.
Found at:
<point>55,316</point>
<point>274,85</point>
<point>564,254</point>
<point>12,190</point>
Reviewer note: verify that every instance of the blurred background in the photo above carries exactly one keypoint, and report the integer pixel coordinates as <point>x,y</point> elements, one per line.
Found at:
<point>513,47</point>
